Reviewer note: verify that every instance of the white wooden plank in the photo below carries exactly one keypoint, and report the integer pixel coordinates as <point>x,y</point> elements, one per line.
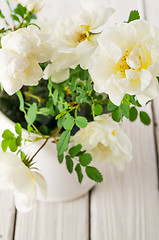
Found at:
<point>7,215</point>
<point>60,221</point>
<point>151,11</point>
<point>125,206</point>
<point>151,8</point>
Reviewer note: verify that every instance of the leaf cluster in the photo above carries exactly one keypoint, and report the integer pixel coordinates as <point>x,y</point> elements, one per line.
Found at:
<point>10,140</point>
<point>128,108</point>
<point>77,160</point>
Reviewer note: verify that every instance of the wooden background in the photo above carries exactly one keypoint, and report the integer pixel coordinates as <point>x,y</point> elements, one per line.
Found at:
<point>126,205</point>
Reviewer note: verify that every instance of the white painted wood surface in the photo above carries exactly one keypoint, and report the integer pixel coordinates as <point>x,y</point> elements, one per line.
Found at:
<point>126,205</point>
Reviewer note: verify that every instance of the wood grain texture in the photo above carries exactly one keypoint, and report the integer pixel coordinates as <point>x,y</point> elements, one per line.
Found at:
<point>61,221</point>
<point>151,13</point>
<point>7,215</point>
<point>126,205</point>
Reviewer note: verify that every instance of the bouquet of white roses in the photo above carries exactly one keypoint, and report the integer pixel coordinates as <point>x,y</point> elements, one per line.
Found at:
<point>72,81</point>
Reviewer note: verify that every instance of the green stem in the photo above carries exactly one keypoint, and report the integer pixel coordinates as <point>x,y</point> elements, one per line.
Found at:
<point>20,24</point>
<point>33,96</point>
<point>39,150</point>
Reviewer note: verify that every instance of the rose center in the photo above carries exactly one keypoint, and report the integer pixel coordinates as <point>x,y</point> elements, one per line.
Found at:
<point>81,34</point>
<point>122,63</point>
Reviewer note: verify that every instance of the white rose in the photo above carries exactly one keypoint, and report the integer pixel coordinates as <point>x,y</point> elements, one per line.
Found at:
<point>75,38</point>
<point>21,52</point>
<point>104,140</point>
<point>14,175</point>
<point>127,61</point>
<point>32,5</point>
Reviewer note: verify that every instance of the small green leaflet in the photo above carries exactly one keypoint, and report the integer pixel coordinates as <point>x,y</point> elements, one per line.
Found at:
<point>20,10</point>
<point>94,174</point>
<point>68,123</point>
<point>62,144</point>
<point>98,109</point>
<point>134,15</point>
<point>79,172</point>
<point>31,114</point>
<point>15,18</point>
<point>1,15</point>
<point>144,117</point>
<point>4,145</point>
<point>69,164</point>
<point>75,150</point>
<point>60,158</point>
<point>81,122</point>
<point>7,134</point>
<point>18,129</point>
<point>125,110</point>
<point>111,106</point>
<point>133,113</point>
<point>21,99</point>
<point>13,145</point>
<point>117,115</point>
<point>85,159</point>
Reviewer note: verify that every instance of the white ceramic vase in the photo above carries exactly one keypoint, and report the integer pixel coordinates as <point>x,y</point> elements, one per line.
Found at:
<point>62,186</point>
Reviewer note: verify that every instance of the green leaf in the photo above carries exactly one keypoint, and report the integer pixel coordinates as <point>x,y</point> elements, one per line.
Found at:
<point>30,17</point>
<point>62,119</point>
<point>68,123</point>
<point>22,155</point>
<point>62,144</point>
<point>79,172</point>
<point>83,74</point>
<point>44,129</point>
<point>31,114</point>
<point>18,141</point>
<point>4,144</point>
<point>94,174</point>
<point>88,85</point>
<point>60,158</point>
<point>60,122</point>
<point>133,113</point>
<point>85,159</point>
<point>1,15</point>
<point>69,164</point>
<point>134,15</point>
<point>144,117</point>
<point>13,145</point>
<point>21,99</point>
<point>15,18</point>
<point>44,111</point>
<point>134,101</point>
<point>111,106</point>
<point>82,97</point>
<point>55,97</point>
<point>126,99</point>
<point>81,122</point>
<point>117,115</point>
<point>125,110</point>
<point>75,150</point>
<point>18,129</point>
<point>98,109</point>
<point>20,10</point>
<point>7,134</point>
